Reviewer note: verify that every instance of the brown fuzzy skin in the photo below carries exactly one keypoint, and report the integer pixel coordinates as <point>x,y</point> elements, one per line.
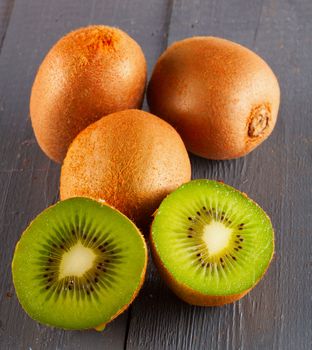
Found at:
<point>210,89</point>
<point>89,73</point>
<point>130,159</point>
<point>192,296</point>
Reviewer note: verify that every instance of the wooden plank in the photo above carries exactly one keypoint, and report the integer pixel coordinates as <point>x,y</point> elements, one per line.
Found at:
<point>29,181</point>
<point>276,314</point>
<point>5,14</point>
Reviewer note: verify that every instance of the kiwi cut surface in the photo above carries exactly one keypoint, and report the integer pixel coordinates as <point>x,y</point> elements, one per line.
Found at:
<point>211,242</point>
<point>78,265</point>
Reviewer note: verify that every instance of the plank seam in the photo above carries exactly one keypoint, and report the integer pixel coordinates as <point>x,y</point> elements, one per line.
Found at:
<point>127,327</point>
<point>9,10</point>
<point>169,10</point>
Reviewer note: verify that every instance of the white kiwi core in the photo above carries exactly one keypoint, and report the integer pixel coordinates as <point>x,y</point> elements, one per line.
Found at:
<point>78,260</point>
<point>216,237</point>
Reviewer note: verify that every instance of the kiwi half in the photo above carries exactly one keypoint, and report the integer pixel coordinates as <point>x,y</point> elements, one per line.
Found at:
<point>78,265</point>
<point>211,243</point>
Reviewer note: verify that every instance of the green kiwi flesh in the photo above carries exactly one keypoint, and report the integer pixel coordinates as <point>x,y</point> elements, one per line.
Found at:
<point>78,265</point>
<point>212,239</point>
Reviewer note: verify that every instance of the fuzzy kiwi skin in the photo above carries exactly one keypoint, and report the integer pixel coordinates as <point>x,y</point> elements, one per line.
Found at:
<point>88,73</point>
<point>214,92</point>
<point>142,277</point>
<point>192,296</point>
<point>130,159</point>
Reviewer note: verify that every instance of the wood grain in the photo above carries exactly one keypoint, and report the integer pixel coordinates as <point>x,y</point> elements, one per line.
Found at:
<point>5,15</point>
<point>29,181</point>
<point>277,313</point>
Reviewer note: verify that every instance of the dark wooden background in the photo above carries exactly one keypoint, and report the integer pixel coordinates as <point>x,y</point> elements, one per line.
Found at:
<point>275,315</point>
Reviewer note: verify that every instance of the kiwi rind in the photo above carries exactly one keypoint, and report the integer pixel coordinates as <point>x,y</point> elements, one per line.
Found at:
<point>185,292</point>
<point>23,253</point>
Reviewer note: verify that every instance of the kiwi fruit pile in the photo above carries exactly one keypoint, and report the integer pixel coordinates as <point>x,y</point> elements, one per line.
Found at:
<point>82,261</point>
<point>78,265</point>
<point>211,243</point>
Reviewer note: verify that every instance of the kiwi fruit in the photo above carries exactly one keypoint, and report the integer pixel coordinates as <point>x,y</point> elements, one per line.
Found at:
<point>88,73</point>
<point>211,243</point>
<point>78,265</point>
<point>129,159</point>
<point>221,97</point>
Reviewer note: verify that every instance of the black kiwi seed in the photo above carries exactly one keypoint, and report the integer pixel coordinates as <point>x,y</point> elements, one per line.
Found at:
<point>190,218</point>
<point>240,247</point>
<point>238,236</point>
<point>221,260</point>
<point>190,236</point>
<point>204,208</point>
<point>198,213</point>
<point>96,280</point>
<point>94,239</point>
<point>236,249</point>
<point>198,254</point>
<point>237,242</point>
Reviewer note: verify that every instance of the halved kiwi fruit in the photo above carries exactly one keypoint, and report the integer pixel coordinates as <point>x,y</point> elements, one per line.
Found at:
<point>211,243</point>
<point>78,265</point>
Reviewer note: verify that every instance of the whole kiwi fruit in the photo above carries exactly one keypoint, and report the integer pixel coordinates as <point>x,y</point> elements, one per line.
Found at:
<point>211,243</point>
<point>222,98</point>
<point>130,159</point>
<point>88,73</point>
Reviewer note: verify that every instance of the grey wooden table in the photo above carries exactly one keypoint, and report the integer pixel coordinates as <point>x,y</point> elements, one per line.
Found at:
<point>275,315</point>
